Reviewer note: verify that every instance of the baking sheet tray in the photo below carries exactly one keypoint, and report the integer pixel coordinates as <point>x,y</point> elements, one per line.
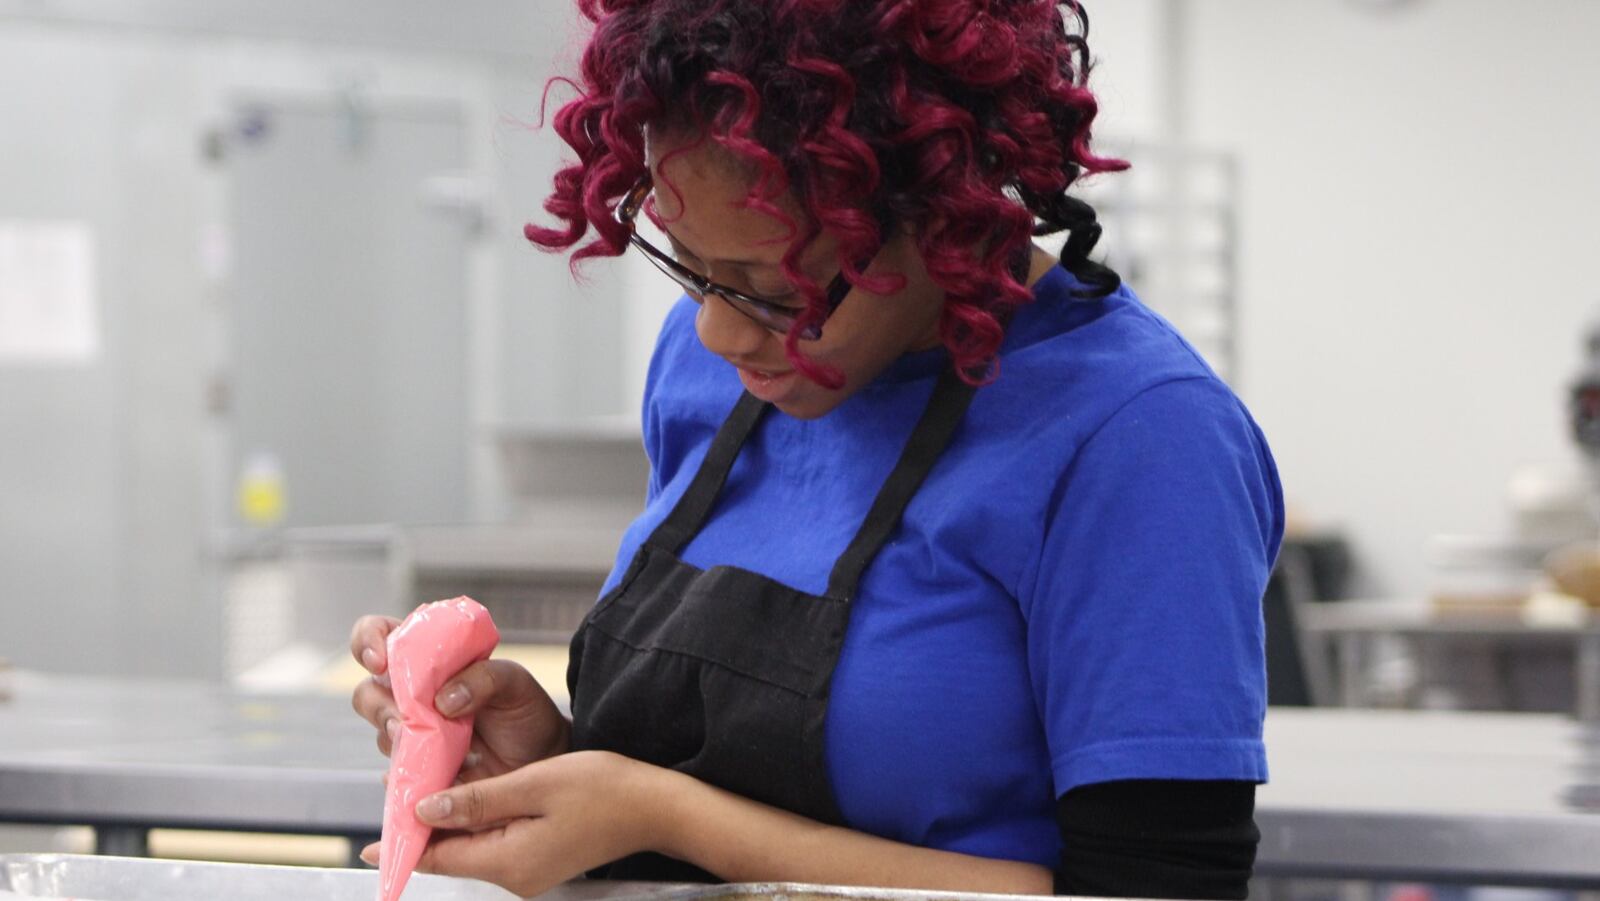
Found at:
<point>94,878</point>
<point>788,891</point>
<point>90,878</point>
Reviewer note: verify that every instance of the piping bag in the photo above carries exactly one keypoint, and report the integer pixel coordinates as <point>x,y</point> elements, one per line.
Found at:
<point>435,642</point>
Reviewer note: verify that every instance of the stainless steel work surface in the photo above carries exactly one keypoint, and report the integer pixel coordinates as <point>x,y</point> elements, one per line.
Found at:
<point>102,751</point>
<point>1491,797</point>
<point>142,879</point>
<point>81,878</point>
<point>131,879</point>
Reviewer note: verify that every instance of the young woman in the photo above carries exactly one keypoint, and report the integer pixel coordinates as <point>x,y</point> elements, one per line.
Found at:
<point>950,570</point>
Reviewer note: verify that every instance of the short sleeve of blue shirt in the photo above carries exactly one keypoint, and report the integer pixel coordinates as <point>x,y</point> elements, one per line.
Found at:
<point>1073,596</point>
<point>1143,659</point>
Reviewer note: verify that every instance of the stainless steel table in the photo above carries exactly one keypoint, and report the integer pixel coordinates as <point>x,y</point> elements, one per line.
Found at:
<point>125,757</point>
<point>1351,625</point>
<point>1486,798</point>
<point>1455,797</point>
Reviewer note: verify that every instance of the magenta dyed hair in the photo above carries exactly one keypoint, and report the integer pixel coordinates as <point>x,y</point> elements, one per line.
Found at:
<point>963,120</point>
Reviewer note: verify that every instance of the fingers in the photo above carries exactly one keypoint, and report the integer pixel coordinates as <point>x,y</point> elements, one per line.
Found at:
<point>388,737</point>
<point>369,642</point>
<point>495,684</point>
<point>490,855</point>
<point>465,854</point>
<point>375,704</point>
<point>473,768</point>
<point>522,856</point>
<point>474,805</point>
<point>477,855</point>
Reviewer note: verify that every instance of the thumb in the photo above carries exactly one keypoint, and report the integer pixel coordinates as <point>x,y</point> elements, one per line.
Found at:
<point>478,804</point>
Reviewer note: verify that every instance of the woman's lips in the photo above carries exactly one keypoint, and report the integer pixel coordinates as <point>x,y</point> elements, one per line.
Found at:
<point>770,387</point>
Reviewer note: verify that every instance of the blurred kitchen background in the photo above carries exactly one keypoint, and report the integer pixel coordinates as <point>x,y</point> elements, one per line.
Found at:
<point>273,352</point>
<point>265,306</point>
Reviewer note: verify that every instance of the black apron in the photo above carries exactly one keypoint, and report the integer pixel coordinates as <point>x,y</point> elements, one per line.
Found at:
<point>723,673</point>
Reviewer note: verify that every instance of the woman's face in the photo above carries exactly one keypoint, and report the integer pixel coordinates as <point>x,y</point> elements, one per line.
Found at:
<point>698,194</point>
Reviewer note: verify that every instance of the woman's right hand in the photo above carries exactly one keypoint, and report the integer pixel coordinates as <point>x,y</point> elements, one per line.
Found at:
<point>516,722</point>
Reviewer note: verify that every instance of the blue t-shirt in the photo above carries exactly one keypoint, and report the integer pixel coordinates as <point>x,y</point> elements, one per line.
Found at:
<point>1073,596</point>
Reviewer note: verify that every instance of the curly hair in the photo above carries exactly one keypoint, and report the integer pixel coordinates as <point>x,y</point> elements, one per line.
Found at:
<point>964,121</point>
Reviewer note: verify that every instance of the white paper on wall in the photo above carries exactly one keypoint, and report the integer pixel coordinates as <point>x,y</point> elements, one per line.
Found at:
<point>48,312</point>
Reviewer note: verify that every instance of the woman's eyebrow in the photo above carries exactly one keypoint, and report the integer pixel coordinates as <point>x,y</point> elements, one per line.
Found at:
<point>741,264</point>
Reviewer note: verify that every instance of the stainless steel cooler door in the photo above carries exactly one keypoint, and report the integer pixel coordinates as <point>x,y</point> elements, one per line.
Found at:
<point>347,309</point>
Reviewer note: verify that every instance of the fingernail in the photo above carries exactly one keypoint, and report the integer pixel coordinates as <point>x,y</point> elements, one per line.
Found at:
<point>393,728</point>
<point>369,855</point>
<point>369,658</point>
<point>435,808</point>
<point>473,759</point>
<point>454,699</point>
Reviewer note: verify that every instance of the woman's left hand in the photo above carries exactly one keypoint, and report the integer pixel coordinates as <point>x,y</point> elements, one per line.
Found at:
<point>539,826</point>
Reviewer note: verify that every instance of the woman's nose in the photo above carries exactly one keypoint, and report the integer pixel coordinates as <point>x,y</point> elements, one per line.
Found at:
<point>727,332</point>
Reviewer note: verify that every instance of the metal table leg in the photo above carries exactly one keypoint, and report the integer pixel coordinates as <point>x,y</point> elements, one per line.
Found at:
<point>1351,676</point>
<point>1588,674</point>
<point>357,842</point>
<point>122,841</point>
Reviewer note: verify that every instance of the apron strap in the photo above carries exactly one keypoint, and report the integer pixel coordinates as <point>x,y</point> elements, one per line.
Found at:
<point>685,520</point>
<point>934,432</point>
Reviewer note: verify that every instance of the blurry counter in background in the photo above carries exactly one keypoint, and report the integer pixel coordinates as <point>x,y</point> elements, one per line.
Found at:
<point>1566,642</point>
<point>537,581</point>
<point>127,756</point>
<point>1508,622</point>
<point>292,595</point>
<point>290,613</point>
<point>1503,799</point>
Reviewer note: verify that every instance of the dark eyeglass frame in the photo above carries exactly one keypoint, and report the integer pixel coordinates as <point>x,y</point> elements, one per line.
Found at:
<point>773,316</point>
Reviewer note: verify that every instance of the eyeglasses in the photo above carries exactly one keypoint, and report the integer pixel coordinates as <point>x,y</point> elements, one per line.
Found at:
<point>775,316</point>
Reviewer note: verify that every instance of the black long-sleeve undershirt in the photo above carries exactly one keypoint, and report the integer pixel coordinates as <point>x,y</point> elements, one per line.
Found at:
<point>1158,838</point>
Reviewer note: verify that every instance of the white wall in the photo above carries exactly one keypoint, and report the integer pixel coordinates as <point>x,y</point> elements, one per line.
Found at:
<point>1419,239</point>
<point>1128,78</point>
<point>66,440</point>
<point>478,28</point>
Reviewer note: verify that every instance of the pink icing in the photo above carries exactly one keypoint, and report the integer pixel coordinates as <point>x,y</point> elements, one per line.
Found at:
<point>434,643</point>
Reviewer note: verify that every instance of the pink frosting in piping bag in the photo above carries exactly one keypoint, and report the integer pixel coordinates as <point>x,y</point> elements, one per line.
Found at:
<point>434,643</point>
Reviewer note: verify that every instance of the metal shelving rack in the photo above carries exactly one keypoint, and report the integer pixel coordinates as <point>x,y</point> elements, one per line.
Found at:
<point>1171,231</point>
